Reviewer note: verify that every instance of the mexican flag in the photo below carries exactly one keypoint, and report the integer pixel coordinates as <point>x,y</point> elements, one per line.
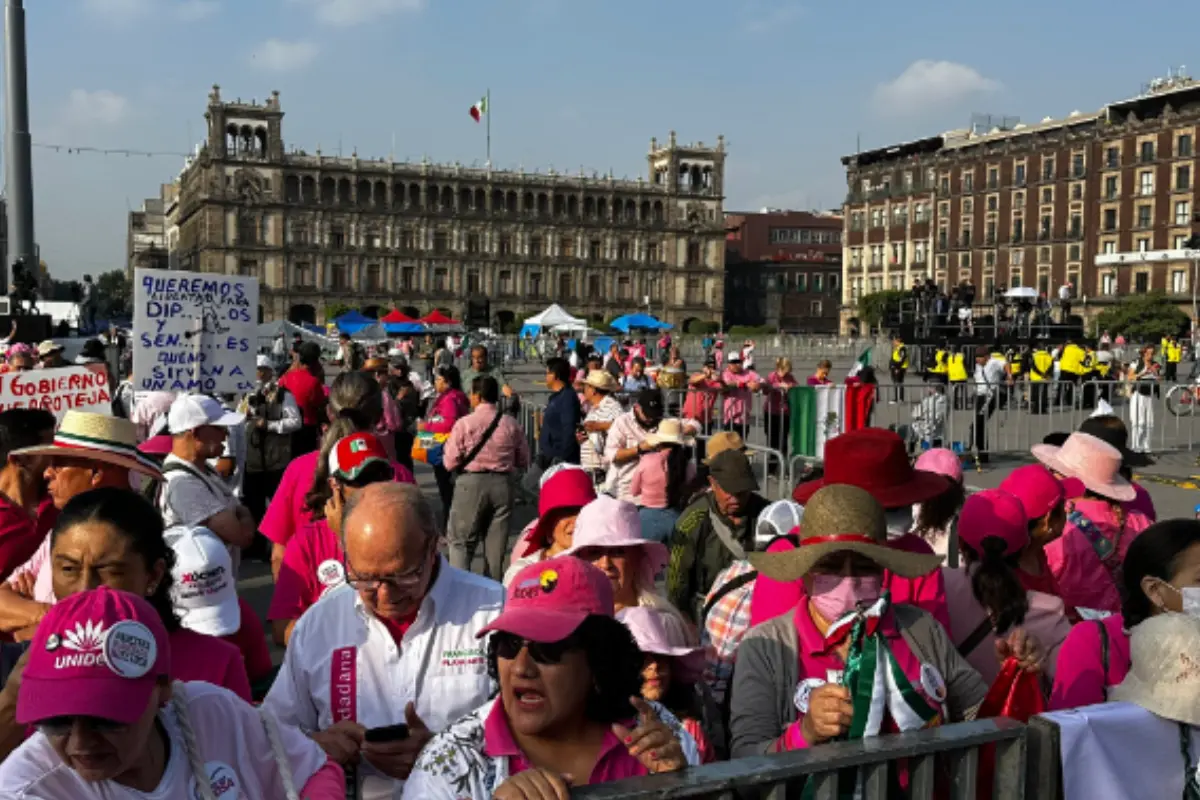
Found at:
<point>479,109</point>
<point>816,417</point>
<point>864,360</point>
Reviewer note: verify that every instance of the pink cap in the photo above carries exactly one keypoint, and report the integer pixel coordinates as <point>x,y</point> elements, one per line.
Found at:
<point>568,489</point>
<point>941,461</point>
<point>548,600</point>
<point>1037,489</point>
<point>993,513</point>
<point>99,654</point>
<point>157,445</point>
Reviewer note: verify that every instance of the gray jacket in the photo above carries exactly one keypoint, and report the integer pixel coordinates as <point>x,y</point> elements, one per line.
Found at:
<point>768,666</point>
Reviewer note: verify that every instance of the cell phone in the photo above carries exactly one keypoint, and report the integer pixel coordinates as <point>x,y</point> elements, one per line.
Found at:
<point>388,733</point>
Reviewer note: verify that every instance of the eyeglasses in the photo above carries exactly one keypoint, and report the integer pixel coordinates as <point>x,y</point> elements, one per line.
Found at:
<point>62,726</point>
<point>404,582</point>
<point>509,645</point>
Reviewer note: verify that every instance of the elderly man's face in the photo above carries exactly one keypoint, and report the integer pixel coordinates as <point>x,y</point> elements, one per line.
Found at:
<point>70,476</point>
<point>389,560</point>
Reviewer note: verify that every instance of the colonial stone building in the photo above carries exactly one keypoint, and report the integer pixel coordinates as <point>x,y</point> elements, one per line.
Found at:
<point>489,245</point>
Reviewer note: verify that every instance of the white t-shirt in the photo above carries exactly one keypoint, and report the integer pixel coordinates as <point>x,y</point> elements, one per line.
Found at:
<point>232,741</point>
<point>342,663</point>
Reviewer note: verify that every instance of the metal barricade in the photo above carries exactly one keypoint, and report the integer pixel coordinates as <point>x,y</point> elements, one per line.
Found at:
<point>781,776</point>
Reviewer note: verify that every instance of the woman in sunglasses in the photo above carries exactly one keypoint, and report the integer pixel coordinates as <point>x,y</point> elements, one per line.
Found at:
<point>568,712</point>
<point>110,723</point>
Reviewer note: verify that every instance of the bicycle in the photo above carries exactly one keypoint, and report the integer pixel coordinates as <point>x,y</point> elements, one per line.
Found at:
<point>1182,399</point>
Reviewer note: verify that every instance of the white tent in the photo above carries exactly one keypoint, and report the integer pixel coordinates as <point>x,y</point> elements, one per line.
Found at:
<point>553,317</point>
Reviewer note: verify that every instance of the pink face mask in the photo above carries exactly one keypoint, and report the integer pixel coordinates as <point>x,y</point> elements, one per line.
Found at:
<point>834,596</point>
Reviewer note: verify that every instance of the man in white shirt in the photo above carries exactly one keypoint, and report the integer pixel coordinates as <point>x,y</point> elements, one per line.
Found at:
<point>991,372</point>
<point>193,495</point>
<point>1064,300</point>
<point>603,409</point>
<point>395,644</point>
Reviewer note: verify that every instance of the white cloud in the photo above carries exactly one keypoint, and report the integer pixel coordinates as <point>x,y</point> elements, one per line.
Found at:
<point>928,84</point>
<point>124,12</point>
<point>277,55</point>
<point>357,12</point>
<point>89,109</point>
<point>760,20</point>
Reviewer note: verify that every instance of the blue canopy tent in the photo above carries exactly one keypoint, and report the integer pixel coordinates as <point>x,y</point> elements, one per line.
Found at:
<point>353,322</point>
<point>403,327</point>
<point>640,321</point>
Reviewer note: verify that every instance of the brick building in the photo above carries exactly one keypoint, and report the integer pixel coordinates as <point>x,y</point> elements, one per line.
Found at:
<point>1014,204</point>
<point>783,269</point>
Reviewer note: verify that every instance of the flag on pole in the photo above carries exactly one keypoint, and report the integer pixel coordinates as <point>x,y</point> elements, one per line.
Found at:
<point>817,415</point>
<point>479,109</point>
<point>864,360</point>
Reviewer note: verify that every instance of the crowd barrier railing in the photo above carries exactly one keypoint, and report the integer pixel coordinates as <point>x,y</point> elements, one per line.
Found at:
<point>776,777</point>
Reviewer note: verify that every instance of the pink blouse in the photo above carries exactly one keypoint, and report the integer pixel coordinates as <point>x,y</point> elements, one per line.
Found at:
<point>1084,579</point>
<point>447,408</point>
<point>1082,678</point>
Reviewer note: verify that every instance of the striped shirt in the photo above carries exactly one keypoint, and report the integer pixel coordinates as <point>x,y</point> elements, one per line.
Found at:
<point>591,452</point>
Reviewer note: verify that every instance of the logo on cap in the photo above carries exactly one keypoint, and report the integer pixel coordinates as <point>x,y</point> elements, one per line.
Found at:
<point>129,649</point>
<point>358,445</point>
<point>52,642</point>
<point>86,638</point>
<point>548,580</point>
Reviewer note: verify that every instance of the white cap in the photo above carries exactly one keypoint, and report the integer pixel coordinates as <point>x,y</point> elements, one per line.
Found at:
<point>204,591</point>
<point>191,411</point>
<point>262,361</point>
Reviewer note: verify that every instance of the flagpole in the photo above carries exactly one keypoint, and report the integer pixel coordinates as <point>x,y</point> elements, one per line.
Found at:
<point>488,105</point>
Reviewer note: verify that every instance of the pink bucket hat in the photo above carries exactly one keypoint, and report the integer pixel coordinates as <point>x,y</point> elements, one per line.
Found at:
<point>548,600</point>
<point>98,654</point>
<point>568,489</point>
<point>654,633</point>
<point>1095,462</point>
<point>941,461</point>
<point>607,522</point>
<point>994,514</point>
<point>1038,490</point>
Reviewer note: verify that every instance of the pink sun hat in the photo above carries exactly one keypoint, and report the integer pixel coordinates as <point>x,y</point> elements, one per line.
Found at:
<point>606,523</point>
<point>941,461</point>
<point>1095,462</point>
<point>548,600</point>
<point>994,514</point>
<point>98,654</point>
<point>655,634</point>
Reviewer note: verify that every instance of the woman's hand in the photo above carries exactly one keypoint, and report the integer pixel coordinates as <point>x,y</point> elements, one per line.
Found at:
<point>1023,647</point>
<point>534,784</point>
<point>829,715</point>
<point>652,742</point>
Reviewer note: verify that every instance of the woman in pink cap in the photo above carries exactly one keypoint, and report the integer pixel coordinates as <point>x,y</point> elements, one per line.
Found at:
<point>985,596</point>
<point>935,519</point>
<point>110,723</point>
<point>672,669</point>
<point>568,711</point>
<point>565,489</point>
<point>1044,498</point>
<point>1086,560</point>
<point>1161,574</point>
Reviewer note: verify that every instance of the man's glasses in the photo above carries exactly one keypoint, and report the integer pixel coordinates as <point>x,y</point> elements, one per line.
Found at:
<point>62,726</point>
<point>402,583</point>
<point>509,645</point>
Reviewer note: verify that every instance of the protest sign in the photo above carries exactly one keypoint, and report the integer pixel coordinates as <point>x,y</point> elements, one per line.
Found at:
<point>194,331</point>
<point>58,390</point>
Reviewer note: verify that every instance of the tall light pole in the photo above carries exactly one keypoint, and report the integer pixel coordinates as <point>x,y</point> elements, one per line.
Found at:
<point>19,177</point>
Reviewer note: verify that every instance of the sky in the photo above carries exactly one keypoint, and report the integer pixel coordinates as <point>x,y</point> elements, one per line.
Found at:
<point>793,86</point>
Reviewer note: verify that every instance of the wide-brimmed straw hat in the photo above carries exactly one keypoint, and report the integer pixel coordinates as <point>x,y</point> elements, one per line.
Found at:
<point>49,346</point>
<point>98,437</point>
<point>838,519</point>
<point>1164,677</point>
<point>876,460</point>
<point>1095,462</point>
<point>670,431</point>
<point>603,380</point>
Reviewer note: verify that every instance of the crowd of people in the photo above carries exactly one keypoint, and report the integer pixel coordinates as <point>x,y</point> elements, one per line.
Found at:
<point>659,612</point>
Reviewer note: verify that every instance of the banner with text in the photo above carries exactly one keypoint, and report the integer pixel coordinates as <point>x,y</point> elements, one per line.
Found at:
<point>194,331</point>
<point>58,390</point>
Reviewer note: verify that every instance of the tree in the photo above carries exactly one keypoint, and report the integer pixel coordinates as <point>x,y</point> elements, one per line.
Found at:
<point>114,295</point>
<point>1144,318</point>
<point>335,310</point>
<point>873,308</point>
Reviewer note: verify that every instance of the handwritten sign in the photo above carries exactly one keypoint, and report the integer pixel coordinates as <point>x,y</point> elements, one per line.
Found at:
<point>194,331</point>
<point>58,390</point>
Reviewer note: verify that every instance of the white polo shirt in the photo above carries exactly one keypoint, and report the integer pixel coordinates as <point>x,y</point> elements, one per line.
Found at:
<point>342,663</point>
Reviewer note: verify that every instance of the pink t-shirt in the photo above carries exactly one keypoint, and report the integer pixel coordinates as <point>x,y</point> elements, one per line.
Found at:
<point>1081,679</point>
<point>649,482</point>
<point>312,565</point>
<point>737,395</point>
<point>18,536</point>
<point>196,657</point>
<point>287,513</point>
<point>1084,580</point>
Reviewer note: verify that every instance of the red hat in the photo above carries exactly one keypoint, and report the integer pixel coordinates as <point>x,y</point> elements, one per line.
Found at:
<point>568,489</point>
<point>354,453</point>
<point>875,460</point>
<point>548,600</point>
<point>994,513</point>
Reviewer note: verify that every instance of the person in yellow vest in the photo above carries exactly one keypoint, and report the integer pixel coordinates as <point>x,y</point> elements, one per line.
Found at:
<point>1173,352</point>
<point>1041,373</point>
<point>958,378</point>
<point>1070,372</point>
<point>897,367</point>
<point>940,369</point>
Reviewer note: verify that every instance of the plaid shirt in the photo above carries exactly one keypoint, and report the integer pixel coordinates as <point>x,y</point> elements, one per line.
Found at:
<point>724,627</point>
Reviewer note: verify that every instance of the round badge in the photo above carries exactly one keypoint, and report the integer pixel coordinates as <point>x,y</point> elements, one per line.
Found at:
<point>932,683</point>
<point>221,778</point>
<point>804,690</point>
<point>129,649</point>
<point>52,642</point>
<point>331,573</point>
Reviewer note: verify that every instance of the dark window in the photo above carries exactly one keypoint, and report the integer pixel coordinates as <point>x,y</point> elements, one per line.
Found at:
<point>535,247</point>
<point>1143,216</point>
<point>1141,283</point>
<point>1112,157</point>
<point>1077,167</point>
<point>1183,178</point>
<point>1147,151</point>
<point>1183,146</point>
<point>1019,175</point>
<point>1110,219</point>
<point>1110,187</point>
<point>473,282</point>
<point>693,254</point>
<point>1048,169</point>
<point>441,242</point>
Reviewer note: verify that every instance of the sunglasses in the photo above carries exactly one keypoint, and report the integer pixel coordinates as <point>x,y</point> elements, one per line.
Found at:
<point>509,645</point>
<point>62,726</point>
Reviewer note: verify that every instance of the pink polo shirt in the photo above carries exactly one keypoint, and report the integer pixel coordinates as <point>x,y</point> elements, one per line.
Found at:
<point>287,514</point>
<point>615,762</point>
<point>312,565</point>
<point>1081,679</point>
